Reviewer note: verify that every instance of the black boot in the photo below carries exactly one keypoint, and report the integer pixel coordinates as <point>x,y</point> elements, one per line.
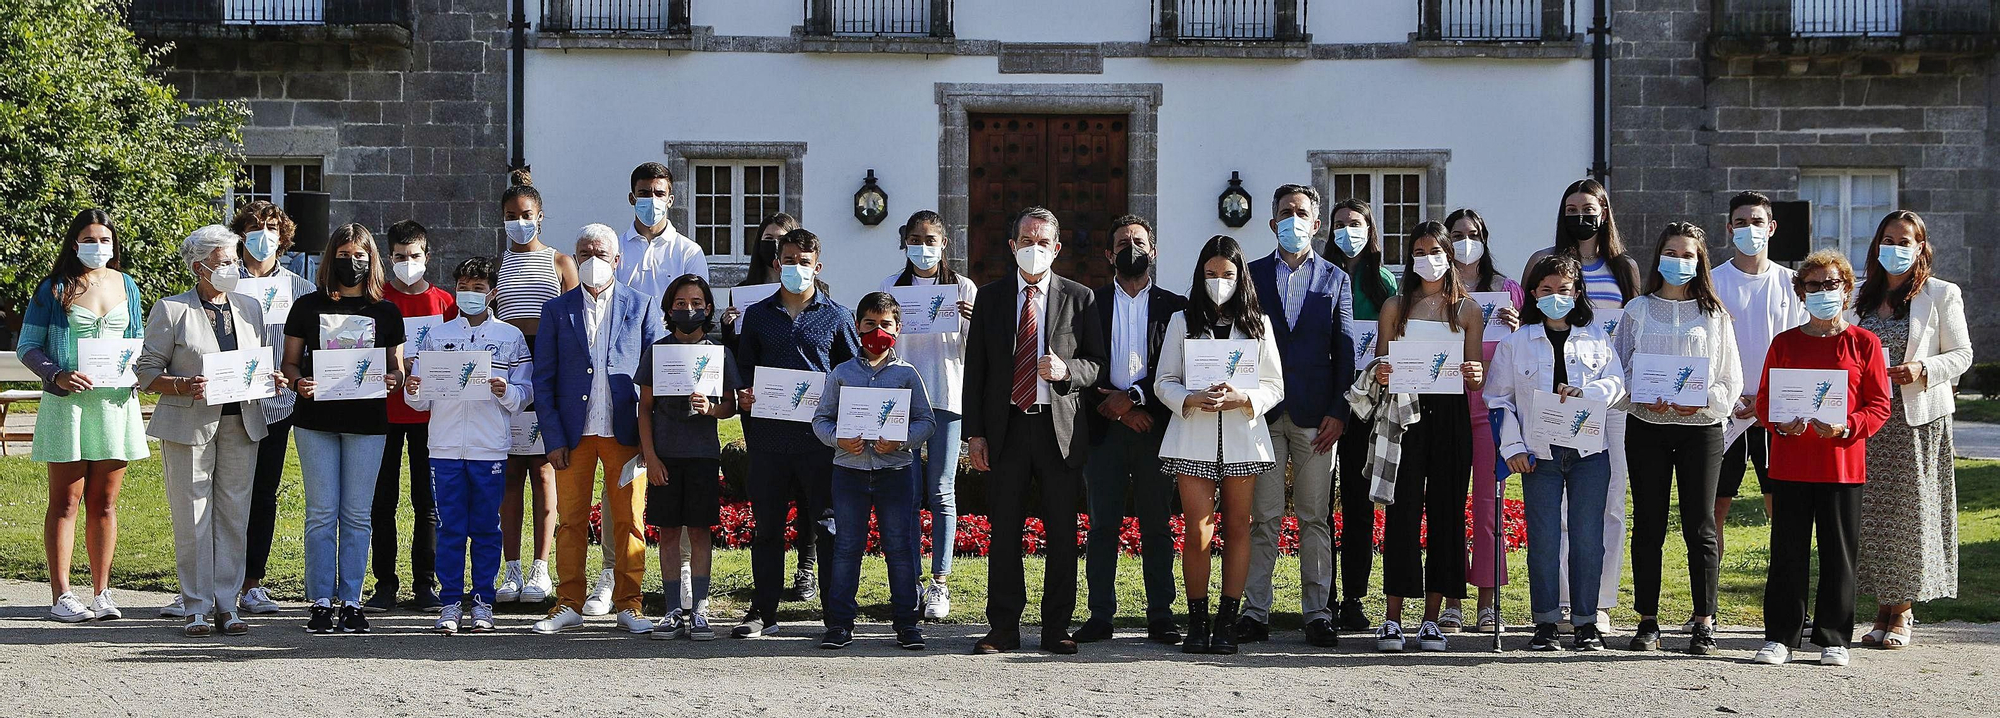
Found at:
<point>1197,635</point>
<point>1222,640</point>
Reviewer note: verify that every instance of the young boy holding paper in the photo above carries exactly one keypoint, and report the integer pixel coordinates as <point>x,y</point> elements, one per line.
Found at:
<point>469,446</point>
<point>874,469</point>
<point>682,394</point>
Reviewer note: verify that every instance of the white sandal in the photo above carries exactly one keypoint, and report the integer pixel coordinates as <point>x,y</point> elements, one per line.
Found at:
<point>197,627</point>
<point>1896,639</point>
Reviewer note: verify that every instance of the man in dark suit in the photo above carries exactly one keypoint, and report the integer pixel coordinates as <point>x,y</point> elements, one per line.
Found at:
<point>1126,423</point>
<point>1309,301</point>
<point>1033,352</point>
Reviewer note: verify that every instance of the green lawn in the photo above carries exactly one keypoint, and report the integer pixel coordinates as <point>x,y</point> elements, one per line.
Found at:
<point>1983,410</point>
<point>145,557</point>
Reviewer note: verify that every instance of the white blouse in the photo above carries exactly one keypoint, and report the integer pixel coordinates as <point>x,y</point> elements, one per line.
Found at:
<point>1653,325</point>
<point>939,358</point>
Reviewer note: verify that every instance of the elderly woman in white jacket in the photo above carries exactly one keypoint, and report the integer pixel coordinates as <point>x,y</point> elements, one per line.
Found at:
<point>1217,437</point>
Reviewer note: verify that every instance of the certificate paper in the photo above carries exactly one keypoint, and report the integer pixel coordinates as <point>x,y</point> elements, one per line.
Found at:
<point>1426,367</point>
<point>240,375</point>
<point>1811,393</point>
<point>418,329</point>
<point>1208,362</point>
<point>1607,320</point>
<point>524,434</point>
<point>683,369</point>
<point>741,297</point>
<point>108,362</point>
<point>1490,304</point>
<point>873,413</point>
<point>1577,423</point>
<point>273,294</point>
<point>1364,342</point>
<point>342,374</point>
<point>930,309</point>
<point>1680,380</point>
<point>455,376</point>
<point>787,394</point>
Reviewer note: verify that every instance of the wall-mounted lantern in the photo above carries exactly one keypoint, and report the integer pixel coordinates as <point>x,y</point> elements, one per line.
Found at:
<point>871,204</point>
<point>1233,207</point>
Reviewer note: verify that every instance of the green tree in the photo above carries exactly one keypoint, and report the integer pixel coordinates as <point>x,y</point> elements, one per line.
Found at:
<point>84,123</point>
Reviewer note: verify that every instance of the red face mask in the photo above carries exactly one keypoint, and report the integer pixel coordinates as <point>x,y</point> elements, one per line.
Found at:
<point>876,341</point>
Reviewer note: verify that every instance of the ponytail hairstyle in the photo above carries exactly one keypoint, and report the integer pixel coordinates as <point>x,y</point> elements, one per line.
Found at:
<point>1241,310</point>
<point>922,217</point>
<point>1487,274</point>
<point>1365,267</point>
<point>1701,289</point>
<point>1452,288</point>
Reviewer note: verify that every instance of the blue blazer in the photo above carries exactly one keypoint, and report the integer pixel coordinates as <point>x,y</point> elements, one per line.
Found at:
<point>563,372</point>
<point>1319,352</point>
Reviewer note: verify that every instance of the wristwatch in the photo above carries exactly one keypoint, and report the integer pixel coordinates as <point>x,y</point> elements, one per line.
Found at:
<point>1138,397</point>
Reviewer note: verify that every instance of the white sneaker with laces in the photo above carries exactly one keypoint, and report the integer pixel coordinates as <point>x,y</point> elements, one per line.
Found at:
<point>105,608</point>
<point>1389,638</point>
<point>1430,637</point>
<point>69,609</point>
<point>698,628</point>
<point>632,621</point>
<point>599,603</point>
<point>1833,656</point>
<point>1772,654</point>
<point>539,586</point>
<point>482,616</point>
<point>173,609</point>
<point>509,590</point>
<point>562,619</point>
<point>448,618</point>
<point>257,600</point>
<point>937,601</point>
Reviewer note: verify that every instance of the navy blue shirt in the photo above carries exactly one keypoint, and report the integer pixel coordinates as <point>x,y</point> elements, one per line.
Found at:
<point>820,339</point>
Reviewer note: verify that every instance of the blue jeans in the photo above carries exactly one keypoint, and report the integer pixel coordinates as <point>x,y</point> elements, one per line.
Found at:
<point>892,493</point>
<point>940,467</point>
<point>339,472</point>
<point>1585,480</point>
<point>467,495</point>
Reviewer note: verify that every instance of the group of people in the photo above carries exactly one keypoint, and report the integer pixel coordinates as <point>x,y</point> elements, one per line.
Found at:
<point>1056,391</point>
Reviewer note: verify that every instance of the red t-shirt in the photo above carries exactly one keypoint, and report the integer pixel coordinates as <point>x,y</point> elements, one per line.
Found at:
<point>433,301</point>
<point>1807,457</point>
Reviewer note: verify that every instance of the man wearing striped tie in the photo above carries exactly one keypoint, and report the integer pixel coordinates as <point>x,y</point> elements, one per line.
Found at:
<point>1033,349</point>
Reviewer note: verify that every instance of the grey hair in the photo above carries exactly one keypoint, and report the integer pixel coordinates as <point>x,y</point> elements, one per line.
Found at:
<point>1287,190</point>
<point>1036,213</point>
<point>599,233</point>
<point>198,246</point>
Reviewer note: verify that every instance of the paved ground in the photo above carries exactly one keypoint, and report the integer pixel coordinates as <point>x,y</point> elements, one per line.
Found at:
<point>1974,440</point>
<point>141,666</point>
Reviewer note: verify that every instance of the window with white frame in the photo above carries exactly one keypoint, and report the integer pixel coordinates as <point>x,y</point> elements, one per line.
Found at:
<point>730,198</point>
<point>270,179</point>
<point>1846,206</point>
<point>1395,196</point>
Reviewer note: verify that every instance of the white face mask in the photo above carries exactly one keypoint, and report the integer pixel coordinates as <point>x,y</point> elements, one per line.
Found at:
<point>1469,250</point>
<point>594,273</point>
<point>224,278</point>
<point>923,255</point>
<point>521,231</point>
<point>1220,290</point>
<point>95,255</point>
<point>1035,259</point>
<point>409,271</point>
<point>472,303</point>
<point>1430,266</point>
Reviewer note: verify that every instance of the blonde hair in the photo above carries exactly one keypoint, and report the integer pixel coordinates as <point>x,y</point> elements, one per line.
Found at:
<point>1825,258</point>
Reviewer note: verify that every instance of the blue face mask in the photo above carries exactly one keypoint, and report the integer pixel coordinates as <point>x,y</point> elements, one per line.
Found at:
<point>650,210</point>
<point>796,277</point>
<point>262,244</point>
<point>1749,240</point>
<point>1825,305</point>
<point>1555,306</point>
<point>1897,259</point>
<point>1678,271</point>
<point>1350,240</point>
<point>924,256</point>
<point>1295,234</point>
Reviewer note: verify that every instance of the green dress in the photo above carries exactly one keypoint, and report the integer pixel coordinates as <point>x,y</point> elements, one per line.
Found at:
<point>95,425</point>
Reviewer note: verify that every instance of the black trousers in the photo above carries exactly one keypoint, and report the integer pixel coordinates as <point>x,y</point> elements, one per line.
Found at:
<point>775,480</point>
<point>1658,454</point>
<point>1431,486</point>
<point>1356,540</point>
<point>1030,467</point>
<point>388,492</point>
<point>1754,446</point>
<point>1798,509</point>
<point>264,499</point>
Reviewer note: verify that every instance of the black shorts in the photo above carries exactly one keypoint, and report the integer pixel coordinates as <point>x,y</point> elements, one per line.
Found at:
<point>1754,442</point>
<point>692,495</point>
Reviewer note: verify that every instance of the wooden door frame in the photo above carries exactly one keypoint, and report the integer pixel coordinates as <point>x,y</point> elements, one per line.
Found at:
<point>1140,102</point>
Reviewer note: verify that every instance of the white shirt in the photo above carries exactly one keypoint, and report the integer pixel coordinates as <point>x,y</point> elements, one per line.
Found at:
<point>477,430</point>
<point>938,358</point>
<point>1761,306</point>
<point>1294,292</point>
<point>1041,326</point>
<point>1128,335</point>
<point>650,265</point>
<point>596,331</point>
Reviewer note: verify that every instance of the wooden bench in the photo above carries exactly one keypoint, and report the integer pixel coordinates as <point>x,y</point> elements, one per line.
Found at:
<point>11,369</point>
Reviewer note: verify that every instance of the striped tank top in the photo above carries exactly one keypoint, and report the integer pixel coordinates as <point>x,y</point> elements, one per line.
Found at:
<point>1602,286</point>
<point>527,281</point>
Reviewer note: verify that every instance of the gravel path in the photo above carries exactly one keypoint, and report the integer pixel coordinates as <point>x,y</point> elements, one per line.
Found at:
<point>141,666</point>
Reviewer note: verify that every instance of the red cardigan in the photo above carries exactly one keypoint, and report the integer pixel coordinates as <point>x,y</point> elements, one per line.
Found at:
<point>1807,457</point>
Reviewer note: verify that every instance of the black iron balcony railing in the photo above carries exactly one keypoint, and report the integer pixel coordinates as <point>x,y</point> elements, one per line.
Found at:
<point>272,12</point>
<point>1855,18</point>
<point>1495,20</point>
<point>1230,20</point>
<point>657,16</point>
<point>900,18</point>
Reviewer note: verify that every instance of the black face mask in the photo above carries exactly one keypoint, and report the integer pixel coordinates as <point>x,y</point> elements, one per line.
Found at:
<point>1580,227</point>
<point>348,271</point>
<point>1133,262</point>
<point>688,321</point>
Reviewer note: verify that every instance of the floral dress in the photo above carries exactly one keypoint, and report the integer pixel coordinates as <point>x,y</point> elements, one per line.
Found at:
<point>1909,517</point>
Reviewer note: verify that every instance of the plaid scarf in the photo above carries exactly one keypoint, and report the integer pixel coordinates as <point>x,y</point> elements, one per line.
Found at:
<point>1392,414</point>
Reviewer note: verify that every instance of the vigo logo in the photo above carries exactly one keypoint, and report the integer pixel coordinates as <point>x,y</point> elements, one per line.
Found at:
<point>1235,360</point>
<point>270,297</point>
<point>465,374</point>
<point>799,393</point>
<point>700,366</point>
<point>1819,393</point>
<point>250,371</point>
<point>1576,425</point>
<point>361,370</point>
<point>1681,379</point>
<point>882,417</point>
<point>1437,364</point>
<point>937,305</point>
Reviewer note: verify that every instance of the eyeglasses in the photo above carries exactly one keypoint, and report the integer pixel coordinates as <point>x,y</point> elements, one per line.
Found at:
<point>1827,285</point>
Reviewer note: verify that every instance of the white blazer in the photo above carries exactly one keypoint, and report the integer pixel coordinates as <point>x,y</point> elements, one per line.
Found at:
<point>1191,432</point>
<point>1940,342</point>
<point>1526,362</point>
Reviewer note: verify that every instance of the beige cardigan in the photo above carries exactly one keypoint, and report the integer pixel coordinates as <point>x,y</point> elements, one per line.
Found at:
<point>1940,342</point>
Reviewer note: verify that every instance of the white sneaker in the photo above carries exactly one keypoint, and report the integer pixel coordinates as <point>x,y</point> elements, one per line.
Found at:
<point>937,601</point>
<point>599,603</point>
<point>173,609</point>
<point>669,628</point>
<point>1604,627</point>
<point>1833,656</point>
<point>482,616</point>
<point>257,600</point>
<point>538,587</point>
<point>698,628</point>
<point>448,619</point>
<point>105,608</point>
<point>69,609</point>
<point>632,621</point>
<point>1430,637</point>
<point>1772,654</point>
<point>563,619</point>
<point>509,590</point>
<point>1389,638</point>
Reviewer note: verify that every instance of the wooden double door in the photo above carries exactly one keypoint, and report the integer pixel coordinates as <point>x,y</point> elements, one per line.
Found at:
<point>1074,165</point>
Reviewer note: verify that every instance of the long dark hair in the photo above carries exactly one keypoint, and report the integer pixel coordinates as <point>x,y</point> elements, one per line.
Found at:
<point>764,254</point>
<point>1561,265</point>
<point>945,276</point>
<point>1451,287</point>
<point>1876,288</point>
<point>68,273</point>
<point>1240,311</point>
<point>1487,273</point>
<point>1610,248</point>
<point>1700,288</point>
<point>1366,266</point>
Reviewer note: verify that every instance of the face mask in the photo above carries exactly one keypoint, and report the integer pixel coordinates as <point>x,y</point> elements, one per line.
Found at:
<point>688,321</point>
<point>1897,259</point>
<point>224,279</point>
<point>1431,266</point>
<point>1555,306</point>
<point>349,271</point>
<point>1676,270</point>
<point>650,210</point>
<point>1826,305</point>
<point>1469,250</point>
<point>1580,227</point>
<point>1034,259</point>
<point>924,256</point>
<point>473,303</point>
<point>595,273</point>
<point>1350,240</point>
<point>1133,262</point>
<point>521,231</point>
<point>1295,234</point>
<point>1749,240</point>
<point>876,341</point>
<point>262,243</point>
<point>95,255</point>
<point>1220,290</point>
<point>409,271</point>
<point>796,277</point>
